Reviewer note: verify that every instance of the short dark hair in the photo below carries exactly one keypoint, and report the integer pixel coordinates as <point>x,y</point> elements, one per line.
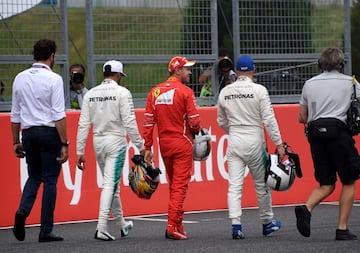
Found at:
<point>331,58</point>
<point>107,72</point>
<point>77,65</point>
<point>43,49</point>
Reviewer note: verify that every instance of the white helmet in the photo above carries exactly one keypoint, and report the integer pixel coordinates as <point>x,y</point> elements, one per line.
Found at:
<point>202,145</point>
<point>279,176</point>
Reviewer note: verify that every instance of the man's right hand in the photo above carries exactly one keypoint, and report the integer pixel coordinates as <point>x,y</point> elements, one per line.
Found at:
<point>80,162</point>
<point>19,151</point>
<point>64,154</point>
<point>148,157</point>
<point>280,150</point>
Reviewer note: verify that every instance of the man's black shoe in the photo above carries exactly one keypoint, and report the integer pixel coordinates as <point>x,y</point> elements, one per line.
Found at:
<point>19,226</point>
<point>303,217</point>
<point>344,235</point>
<point>49,237</point>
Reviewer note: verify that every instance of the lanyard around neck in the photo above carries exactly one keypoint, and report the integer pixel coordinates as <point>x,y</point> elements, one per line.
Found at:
<point>39,66</point>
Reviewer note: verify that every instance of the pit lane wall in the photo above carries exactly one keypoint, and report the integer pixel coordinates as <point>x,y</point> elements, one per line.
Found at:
<point>79,191</point>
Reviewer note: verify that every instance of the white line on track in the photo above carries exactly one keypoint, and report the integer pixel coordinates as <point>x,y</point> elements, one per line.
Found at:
<point>161,220</point>
<point>150,217</point>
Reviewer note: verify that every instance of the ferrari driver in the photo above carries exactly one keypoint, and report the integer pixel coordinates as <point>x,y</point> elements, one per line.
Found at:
<point>172,106</point>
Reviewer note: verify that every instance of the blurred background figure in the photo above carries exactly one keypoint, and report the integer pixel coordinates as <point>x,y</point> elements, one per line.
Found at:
<point>77,87</point>
<point>222,71</point>
<point>2,88</point>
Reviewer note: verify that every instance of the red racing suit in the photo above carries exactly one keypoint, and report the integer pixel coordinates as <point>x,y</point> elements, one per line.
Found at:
<point>172,107</point>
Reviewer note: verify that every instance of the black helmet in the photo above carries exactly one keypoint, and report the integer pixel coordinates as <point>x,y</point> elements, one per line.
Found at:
<point>225,64</point>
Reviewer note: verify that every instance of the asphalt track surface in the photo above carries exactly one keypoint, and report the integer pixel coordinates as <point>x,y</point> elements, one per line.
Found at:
<point>208,232</point>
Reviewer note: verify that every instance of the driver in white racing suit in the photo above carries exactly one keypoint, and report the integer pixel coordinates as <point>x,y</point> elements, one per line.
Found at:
<point>109,108</point>
<point>244,108</point>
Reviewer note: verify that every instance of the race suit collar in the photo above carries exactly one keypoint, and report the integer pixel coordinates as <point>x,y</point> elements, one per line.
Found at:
<point>108,80</point>
<point>173,79</point>
<point>244,78</point>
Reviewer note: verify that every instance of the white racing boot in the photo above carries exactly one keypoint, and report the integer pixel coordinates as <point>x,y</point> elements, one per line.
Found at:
<point>104,236</point>
<point>126,227</point>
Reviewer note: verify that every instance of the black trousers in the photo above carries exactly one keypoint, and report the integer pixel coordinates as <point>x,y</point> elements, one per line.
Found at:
<point>42,146</point>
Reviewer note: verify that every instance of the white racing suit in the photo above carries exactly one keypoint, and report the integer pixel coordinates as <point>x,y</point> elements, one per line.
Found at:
<point>109,108</point>
<point>244,107</point>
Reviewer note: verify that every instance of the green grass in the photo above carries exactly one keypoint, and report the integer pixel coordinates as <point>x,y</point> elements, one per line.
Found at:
<point>77,36</point>
<point>327,27</point>
<point>132,31</point>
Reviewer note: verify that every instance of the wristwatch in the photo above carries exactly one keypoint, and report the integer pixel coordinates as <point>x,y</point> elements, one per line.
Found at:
<point>66,144</point>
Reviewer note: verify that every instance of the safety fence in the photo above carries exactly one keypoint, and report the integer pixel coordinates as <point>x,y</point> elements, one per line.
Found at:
<point>284,37</point>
